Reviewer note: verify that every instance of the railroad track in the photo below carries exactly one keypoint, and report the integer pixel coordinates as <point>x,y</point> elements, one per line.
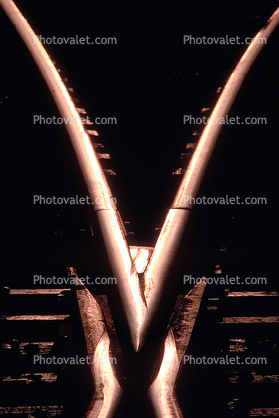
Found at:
<point>40,327</point>
<point>208,323</point>
<point>142,274</point>
<point>239,328</point>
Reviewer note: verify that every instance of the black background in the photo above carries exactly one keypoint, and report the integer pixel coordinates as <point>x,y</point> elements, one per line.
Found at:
<point>148,81</point>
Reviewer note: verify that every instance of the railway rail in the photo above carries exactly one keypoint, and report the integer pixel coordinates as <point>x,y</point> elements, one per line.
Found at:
<point>142,274</point>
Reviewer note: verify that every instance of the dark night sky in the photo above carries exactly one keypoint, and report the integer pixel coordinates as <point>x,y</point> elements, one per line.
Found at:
<point>148,81</point>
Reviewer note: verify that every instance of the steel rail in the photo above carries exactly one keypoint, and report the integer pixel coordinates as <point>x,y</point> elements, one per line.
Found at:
<point>162,390</point>
<point>108,391</point>
<point>139,310</point>
<point>163,256</point>
<point>125,261</point>
<point>108,217</point>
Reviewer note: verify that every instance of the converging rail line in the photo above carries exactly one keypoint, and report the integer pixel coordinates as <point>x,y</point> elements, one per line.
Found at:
<point>142,272</point>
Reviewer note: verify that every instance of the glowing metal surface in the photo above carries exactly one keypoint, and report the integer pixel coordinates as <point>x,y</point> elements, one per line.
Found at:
<point>109,218</point>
